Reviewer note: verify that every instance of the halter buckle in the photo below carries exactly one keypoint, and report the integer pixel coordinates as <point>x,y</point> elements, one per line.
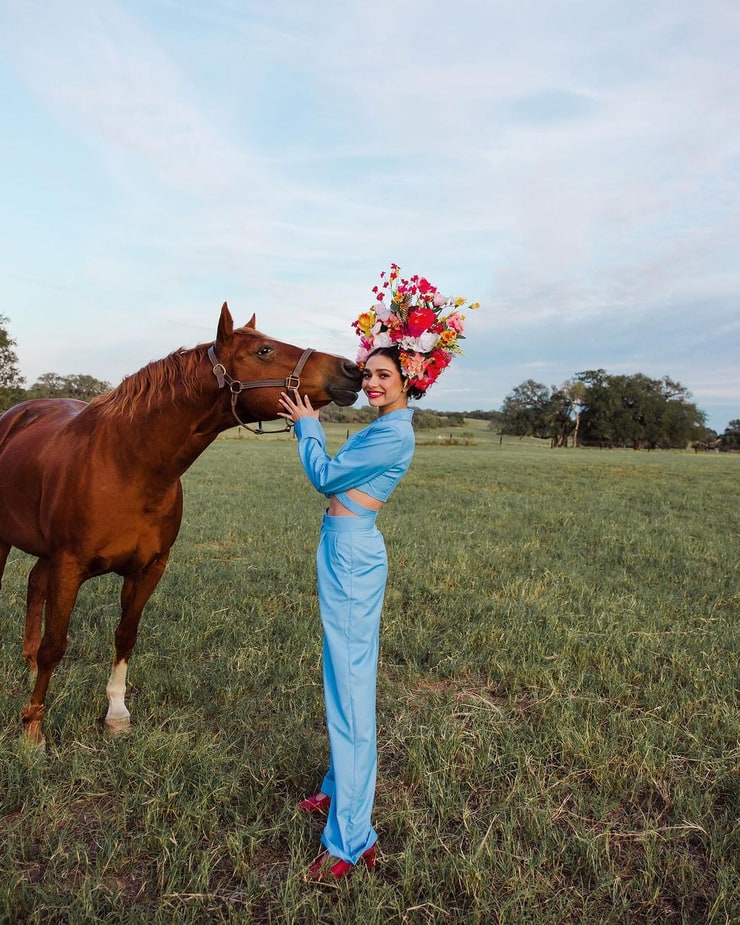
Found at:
<point>219,371</point>
<point>290,380</point>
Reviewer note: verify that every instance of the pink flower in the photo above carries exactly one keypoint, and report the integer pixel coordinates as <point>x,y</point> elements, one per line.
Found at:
<point>456,322</point>
<point>413,364</point>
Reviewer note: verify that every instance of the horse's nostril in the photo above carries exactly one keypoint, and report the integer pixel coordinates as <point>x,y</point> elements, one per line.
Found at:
<point>351,368</point>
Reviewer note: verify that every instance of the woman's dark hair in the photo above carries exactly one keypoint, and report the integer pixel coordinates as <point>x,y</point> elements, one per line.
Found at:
<point>394,354</point>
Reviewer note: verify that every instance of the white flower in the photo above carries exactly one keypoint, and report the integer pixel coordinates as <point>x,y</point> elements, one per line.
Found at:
<point>382,311</point>
<point>422,344</point>
<point>382,339</point>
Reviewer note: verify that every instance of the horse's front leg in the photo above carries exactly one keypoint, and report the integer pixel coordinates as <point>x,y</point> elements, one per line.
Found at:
<point>35,598</point>
<point>137,590</point>
<point>63,582</point>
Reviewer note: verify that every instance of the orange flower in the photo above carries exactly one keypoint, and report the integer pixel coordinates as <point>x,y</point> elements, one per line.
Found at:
<point>365,322</point>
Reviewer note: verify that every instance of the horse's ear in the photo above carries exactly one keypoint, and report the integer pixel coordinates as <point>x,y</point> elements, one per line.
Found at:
<point>225,325</point>
<point>252,323</point>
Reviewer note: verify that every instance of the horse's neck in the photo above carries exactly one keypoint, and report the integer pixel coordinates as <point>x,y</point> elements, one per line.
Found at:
<point>182,434</point>
<point>164,437</point>
<point>182,445</point>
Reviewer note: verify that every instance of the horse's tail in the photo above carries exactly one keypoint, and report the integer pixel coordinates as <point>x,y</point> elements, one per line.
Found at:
<point>4,550</point>
<point>9,423</point>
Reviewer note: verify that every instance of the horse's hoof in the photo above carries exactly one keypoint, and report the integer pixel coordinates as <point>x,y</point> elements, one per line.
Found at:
<point>33,735</point>
<point>33,716</point>
<point>117,726</point>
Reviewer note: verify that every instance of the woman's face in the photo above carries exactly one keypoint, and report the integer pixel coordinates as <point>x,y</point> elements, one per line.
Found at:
<point>383,385</point>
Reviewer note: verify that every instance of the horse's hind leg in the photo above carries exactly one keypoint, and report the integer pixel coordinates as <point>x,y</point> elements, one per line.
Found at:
<point>135,593</point>
<point>35,599</point>
<point>63,582</point>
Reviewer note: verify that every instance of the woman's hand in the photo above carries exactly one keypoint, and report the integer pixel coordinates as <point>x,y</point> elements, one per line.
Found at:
<point>296,406</point>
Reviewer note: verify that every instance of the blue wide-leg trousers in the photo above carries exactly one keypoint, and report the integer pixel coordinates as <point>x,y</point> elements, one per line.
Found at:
<point>352,568</point>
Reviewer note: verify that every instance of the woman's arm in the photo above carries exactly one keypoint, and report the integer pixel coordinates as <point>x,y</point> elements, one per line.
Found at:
<point>353,467</point>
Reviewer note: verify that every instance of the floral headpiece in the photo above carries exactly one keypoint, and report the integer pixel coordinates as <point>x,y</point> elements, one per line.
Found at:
<point>412,318</point>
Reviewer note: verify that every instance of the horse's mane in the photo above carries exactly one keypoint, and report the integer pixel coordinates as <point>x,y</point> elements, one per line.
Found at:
<point>175,373</point>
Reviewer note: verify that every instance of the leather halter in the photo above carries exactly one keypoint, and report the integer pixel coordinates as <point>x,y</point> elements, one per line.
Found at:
<point>293,381</point>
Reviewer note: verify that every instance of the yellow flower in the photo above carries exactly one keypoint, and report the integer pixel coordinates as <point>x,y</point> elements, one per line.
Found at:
<point>365,322</point>
<point>474,305</point>
<point>458,302</point>
<point>448,337</point>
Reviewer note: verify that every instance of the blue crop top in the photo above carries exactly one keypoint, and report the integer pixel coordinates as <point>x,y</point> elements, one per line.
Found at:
<point>373,460</point>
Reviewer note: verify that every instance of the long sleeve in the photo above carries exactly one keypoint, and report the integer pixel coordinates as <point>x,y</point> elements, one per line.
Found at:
<point>367,455</point>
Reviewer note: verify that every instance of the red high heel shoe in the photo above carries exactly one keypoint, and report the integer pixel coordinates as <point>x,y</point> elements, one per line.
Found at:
<point>326,867</point>
<point>315,804</point>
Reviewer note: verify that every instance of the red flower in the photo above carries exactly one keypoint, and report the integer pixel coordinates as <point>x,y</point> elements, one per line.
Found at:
<point>426,288</point>
<point>438,361</point>
<point>419,321</point>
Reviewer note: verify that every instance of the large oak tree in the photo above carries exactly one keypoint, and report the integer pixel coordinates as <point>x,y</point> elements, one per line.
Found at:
<point>596,408</point>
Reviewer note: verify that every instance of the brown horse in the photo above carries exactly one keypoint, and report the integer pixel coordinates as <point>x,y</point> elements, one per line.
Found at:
<point>94,488</point>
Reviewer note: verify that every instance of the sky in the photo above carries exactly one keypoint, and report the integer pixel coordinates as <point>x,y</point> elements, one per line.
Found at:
<point>572,165</point>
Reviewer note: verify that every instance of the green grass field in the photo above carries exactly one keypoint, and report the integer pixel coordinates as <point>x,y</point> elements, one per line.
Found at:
<point>558,725</point>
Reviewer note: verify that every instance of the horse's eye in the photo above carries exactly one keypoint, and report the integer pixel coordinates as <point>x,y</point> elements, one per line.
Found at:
<point>265,350</point>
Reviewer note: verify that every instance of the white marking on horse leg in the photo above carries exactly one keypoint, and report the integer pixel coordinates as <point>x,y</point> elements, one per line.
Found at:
<point>118,717</point>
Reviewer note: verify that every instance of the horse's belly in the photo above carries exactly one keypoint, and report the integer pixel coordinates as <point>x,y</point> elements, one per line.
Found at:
<point>20,495</point>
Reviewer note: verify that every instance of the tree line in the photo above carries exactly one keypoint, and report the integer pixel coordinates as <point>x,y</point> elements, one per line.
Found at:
<point>594,408</point>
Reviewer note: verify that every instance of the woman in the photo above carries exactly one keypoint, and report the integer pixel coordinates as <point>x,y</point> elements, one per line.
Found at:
<point>351,559</point>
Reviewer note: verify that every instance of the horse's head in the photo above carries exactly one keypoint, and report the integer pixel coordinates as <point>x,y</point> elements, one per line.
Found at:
<point>257,368</point>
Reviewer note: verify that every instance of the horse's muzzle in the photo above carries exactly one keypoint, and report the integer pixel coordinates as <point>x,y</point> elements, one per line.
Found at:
<point>345,389</point>
<point>343,397</point>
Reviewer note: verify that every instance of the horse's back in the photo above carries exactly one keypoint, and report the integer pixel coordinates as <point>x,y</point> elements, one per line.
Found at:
<point>40,413</point>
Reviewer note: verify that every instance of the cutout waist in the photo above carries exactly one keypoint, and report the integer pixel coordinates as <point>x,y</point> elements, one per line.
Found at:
<point>344,504</point>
